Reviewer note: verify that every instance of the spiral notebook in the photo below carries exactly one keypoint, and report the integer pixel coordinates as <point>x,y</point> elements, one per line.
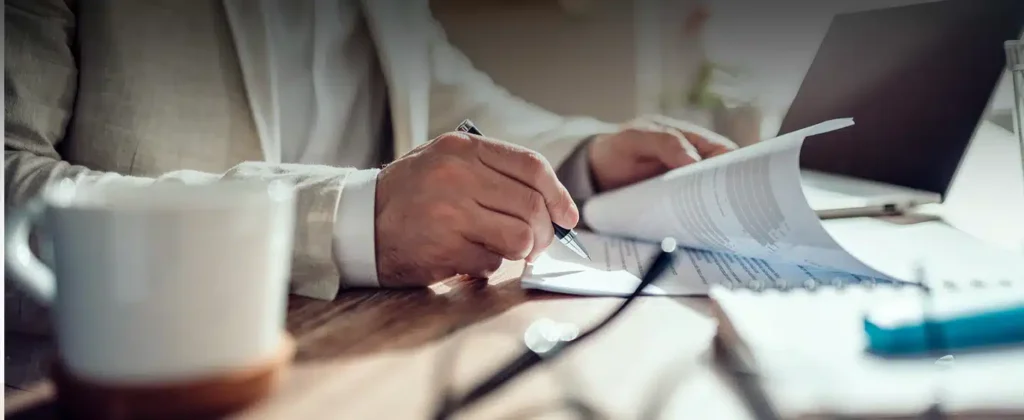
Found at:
<point>803,353</point>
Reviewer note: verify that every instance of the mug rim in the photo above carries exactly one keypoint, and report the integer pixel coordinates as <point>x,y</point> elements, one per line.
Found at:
<point>68,194</point>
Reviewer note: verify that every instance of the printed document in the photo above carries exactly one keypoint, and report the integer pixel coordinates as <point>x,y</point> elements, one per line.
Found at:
<point>741,218</point>
<point>618,264</point>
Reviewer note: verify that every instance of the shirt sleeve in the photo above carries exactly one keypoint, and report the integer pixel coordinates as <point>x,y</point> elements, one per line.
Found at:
<point>354,233</point>
<point>575,173</point>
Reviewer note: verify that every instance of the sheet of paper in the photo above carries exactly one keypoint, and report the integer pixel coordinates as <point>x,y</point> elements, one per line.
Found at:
<point>933,249</point>
<point>619,263</point>
<point>748,202</point>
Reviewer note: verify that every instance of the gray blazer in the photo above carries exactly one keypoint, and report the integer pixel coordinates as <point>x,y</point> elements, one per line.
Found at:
<point>128,91</point>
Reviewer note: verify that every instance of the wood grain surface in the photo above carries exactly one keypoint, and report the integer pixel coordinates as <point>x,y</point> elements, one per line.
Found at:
<point>393,352</point>
<point>357,322</point>
<point>365,321</point>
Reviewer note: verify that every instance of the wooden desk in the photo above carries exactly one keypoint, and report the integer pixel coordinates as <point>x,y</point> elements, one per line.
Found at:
<point>374,352</point>
<point>370,353</point>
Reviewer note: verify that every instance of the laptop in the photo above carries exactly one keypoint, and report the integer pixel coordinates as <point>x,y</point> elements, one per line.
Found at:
<point>917,81</point>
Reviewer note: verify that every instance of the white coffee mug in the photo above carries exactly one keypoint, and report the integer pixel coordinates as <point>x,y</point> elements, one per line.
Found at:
<point>158,283</point>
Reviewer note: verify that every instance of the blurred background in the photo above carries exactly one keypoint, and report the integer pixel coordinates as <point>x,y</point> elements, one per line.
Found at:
<point>615,59</point>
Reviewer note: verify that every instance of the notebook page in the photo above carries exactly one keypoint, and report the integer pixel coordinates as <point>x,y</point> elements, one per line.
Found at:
<point>619,263</point>
<point>748,202</point>
<point>809,350</point>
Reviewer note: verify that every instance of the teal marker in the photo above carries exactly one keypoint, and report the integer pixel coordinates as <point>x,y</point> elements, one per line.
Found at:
<point>1002,326</point>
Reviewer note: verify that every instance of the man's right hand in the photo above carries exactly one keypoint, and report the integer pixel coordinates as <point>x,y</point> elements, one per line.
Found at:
<point>462,203</point>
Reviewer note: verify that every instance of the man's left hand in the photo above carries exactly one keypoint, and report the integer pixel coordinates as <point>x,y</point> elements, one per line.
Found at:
<point>648,147</point>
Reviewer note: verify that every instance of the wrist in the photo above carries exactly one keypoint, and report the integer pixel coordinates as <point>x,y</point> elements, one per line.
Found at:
<point>594,163</point>
<point>575,172</point>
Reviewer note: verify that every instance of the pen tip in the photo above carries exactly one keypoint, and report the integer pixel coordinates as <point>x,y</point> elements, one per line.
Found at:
<point>583,251</point>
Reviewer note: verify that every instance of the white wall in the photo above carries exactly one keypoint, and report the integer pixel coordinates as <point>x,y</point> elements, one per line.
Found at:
<point>588,64</point>
<point>568,64</point>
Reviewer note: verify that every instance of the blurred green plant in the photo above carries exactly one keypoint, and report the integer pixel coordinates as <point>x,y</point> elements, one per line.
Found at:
<point>702,94</point>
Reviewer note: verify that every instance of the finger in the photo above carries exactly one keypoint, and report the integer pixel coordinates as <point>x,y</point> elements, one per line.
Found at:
<point>508,196</point>
<point>477,261</point>
<point>707,142</point>
<point>705,147</point>
<point>531,169</point>
<point>499,233</point>
<point>671,148</point>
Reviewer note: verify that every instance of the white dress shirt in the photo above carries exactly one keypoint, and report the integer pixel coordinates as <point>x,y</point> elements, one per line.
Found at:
<point>324,67</point>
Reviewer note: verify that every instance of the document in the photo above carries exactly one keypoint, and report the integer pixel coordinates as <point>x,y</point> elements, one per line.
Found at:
<point>741,218</point>
<point>619,263</point>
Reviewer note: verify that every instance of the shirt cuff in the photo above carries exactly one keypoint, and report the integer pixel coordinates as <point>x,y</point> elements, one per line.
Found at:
<point>575,173</point>
<point>354,234</point>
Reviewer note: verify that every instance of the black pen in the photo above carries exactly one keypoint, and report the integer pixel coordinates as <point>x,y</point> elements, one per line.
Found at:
<point>566,236</point>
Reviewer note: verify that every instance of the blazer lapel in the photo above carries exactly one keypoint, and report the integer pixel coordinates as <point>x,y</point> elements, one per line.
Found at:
<point>399,32</point>
<point>249,30</point>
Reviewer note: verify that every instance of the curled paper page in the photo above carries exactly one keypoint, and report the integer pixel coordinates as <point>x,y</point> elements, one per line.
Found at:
<point>749,202</point>
<point>742,220</point>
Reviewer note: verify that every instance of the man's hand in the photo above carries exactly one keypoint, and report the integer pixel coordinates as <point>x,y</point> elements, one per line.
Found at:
<point>648,147</point>
<point>461,203</point>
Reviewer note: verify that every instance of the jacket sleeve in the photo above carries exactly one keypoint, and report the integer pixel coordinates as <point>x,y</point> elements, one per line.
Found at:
<point>459,91</point>
<point>40,75</point>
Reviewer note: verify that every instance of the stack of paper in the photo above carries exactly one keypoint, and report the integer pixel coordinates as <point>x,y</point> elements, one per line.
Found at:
<point>743,222</point>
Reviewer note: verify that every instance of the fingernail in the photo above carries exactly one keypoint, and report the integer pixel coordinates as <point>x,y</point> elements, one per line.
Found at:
<point>574,214</point>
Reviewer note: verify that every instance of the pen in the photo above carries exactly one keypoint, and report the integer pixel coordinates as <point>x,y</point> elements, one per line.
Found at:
<point>566,236</point>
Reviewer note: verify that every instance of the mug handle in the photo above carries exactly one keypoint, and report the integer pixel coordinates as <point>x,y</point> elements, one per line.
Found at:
<point>19,261</point>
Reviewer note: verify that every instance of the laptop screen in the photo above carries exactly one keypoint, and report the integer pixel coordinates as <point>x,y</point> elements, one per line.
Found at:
<point>916,80</point>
